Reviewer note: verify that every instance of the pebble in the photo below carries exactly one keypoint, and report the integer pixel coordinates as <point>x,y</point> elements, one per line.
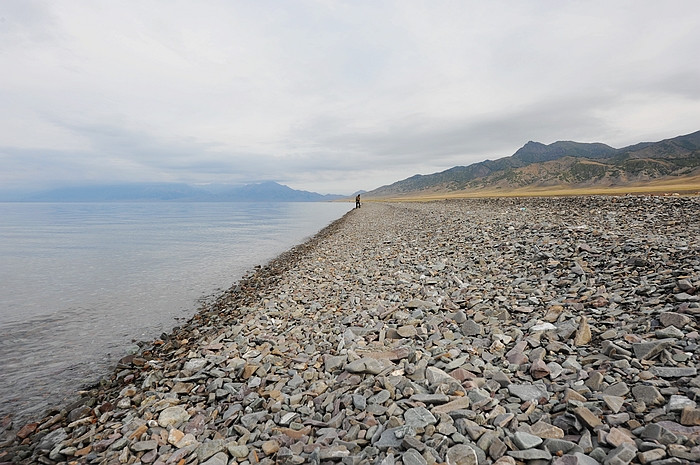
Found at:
<point>493,331</point>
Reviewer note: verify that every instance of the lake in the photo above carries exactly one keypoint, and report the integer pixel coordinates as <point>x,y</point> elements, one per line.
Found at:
<point>81,282</point>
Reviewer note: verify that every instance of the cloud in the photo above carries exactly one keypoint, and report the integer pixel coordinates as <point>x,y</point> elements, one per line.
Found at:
<point>330,96</point>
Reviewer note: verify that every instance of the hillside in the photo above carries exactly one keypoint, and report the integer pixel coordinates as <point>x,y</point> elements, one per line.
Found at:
<point>563,164</point>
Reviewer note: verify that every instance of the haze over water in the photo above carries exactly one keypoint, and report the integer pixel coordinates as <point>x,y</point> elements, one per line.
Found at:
<point>82,281</point>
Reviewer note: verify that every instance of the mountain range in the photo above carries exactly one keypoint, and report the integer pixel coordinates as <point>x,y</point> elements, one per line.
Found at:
<point>563,165</point>
<point>149,192</point>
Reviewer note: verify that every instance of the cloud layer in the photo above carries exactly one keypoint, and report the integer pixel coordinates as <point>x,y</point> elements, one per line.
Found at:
<point>329,96</point>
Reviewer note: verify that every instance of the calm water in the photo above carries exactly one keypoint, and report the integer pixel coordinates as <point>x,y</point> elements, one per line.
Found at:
<point>80,282</point>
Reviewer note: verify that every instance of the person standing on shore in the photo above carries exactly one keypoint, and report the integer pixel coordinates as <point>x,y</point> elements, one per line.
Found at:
<point>357,201</point>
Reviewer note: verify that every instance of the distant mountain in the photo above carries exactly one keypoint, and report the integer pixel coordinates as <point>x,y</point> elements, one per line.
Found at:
<point>561,164</point>
<point>272,192</point>
<point>131,192</point>
<point>156,192</point>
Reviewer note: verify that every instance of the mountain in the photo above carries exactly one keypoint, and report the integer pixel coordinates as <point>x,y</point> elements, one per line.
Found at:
<point>270,191</point>
<point>131,192</point>
<point>563,164</point>
<point>156,192</point>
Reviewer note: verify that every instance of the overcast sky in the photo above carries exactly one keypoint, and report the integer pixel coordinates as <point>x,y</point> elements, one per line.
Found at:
<point>330,96</point>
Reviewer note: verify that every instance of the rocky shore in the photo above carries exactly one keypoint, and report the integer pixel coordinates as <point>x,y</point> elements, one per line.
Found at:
<point>506,331</point>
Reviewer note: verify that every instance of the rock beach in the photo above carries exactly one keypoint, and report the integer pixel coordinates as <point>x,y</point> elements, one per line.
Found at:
<point>492,331</point>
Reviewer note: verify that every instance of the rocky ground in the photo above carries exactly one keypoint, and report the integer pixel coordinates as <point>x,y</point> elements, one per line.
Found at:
<point>501,331</point>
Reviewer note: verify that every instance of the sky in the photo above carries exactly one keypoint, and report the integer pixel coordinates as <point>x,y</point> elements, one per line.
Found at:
<point>329,96</point>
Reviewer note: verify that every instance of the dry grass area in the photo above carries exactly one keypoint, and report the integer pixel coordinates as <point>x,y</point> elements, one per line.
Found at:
<point>689,185</point>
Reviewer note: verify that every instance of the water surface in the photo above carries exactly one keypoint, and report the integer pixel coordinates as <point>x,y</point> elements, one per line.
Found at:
<point>80,282</point>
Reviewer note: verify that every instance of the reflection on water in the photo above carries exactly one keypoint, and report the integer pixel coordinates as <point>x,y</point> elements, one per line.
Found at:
<point>79,283</point>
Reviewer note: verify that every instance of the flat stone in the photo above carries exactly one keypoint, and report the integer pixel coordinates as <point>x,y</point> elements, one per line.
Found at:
<point>684,297</point>
<point>393,437</point>
<point>618,389</point>
<point>560,446</point>
<point>210,448</point>
<point>410,442</point>
<point>219,458</point>
<point>516,355</point>
<point>472,328</point>
<point>587,417</point>
<point>553,313</point>
<point>651,455</point>
<point>619,436</point>
<point>539,369</point>
<point>380,397</point>
<point>546,430</point>
<point>503,419</point>
<point>417,303</point>
<point>530,454</point>
<point>570,395</point>
<point>497,448</point>
<point>595,380</point>
<point>677,403</point>
<point>526,440</point>
<point>673,372</point>
<point>584,459</point>
<point>459,403</point>
<point>682,452</point>
<point>407,331</point>
<point>249,420</point>
<point>649,350</point>
<point>617,419</point>
<point>333,362</point>
<point>615,403</point>
<point>674,319</point>
<point>334,452</point>
<point>143,445</point>
<point>583,333</point>
<point>543,327</point>
<point>359,401</point>
<point>621,455</point>
<point>647,394</point>
<point>193,366</point>
<point>459,317</point>
<point>565,460</point>
<point>399,353</point>
<point>586,441</point>
<point>270,447</point>
<point>690,416</point>
<point>172,416</point>
<point>413,457</point>
<point>419,417</point>
<point>529,392</point>
<point>479,397</point>
<point>555,370</point>
<point>430,398</point>
<point>187,441</point>
<point>659,433</point>
<point>461,455</point>
<point>436,376</point>
<point>365,365</point>
<point>669,332</point>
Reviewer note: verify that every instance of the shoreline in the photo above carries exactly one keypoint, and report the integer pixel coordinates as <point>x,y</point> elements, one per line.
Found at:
<point>389,333</point>
<point>103,386</point>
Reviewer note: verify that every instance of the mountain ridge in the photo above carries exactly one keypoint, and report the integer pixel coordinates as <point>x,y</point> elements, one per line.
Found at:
<point>267,191</point>
<point>560,164</point>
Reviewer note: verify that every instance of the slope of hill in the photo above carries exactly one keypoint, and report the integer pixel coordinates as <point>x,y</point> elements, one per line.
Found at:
<point>563,164</point>
<point>155,192</point>
<point>270,191</point>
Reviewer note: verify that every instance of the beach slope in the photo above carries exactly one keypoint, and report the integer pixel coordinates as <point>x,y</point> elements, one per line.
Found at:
<point>505,331</point>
